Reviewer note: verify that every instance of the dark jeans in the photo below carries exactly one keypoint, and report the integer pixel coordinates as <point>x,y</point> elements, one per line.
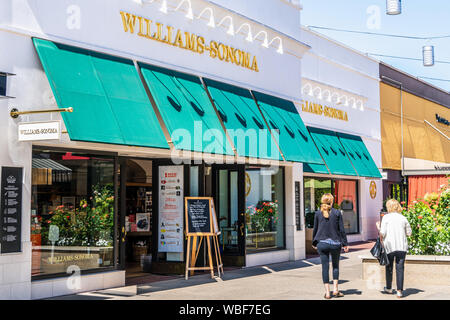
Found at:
<point>325,250</point>
<point>399,269</point>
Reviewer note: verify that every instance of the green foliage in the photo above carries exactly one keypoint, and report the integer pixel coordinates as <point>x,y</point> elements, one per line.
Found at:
<point>263,217</point>
<point>89,224</point>
<point>430,223</point>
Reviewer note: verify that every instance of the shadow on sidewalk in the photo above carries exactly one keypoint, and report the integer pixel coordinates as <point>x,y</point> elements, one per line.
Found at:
<point>349,292</point>
<point>411,291</point>
<point>205,278</point>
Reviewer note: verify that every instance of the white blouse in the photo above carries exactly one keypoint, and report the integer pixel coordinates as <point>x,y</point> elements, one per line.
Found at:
<point>395,229</point>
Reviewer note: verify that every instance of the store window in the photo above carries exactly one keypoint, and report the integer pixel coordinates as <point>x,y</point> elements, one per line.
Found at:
<point>72,212</point>
<point>264,190</point>
<point>345,199</point>
<point>314,189</point>
<point>345,194</point>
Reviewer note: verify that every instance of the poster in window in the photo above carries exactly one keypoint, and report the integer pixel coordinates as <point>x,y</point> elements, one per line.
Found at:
<point>171,205</point>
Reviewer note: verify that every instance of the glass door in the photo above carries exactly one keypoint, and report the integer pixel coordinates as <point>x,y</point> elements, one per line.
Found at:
<point>229,198</point>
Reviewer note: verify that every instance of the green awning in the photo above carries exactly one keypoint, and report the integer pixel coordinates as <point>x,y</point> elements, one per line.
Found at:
<point>186,110</point>
<point>243,121</point>
<point>359,155</point>
<point>332,151</point>
<point>109,102</point>
<point>315,168</point>
<point>294,139</point>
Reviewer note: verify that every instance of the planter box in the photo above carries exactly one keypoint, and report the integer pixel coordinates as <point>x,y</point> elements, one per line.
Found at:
<point>419,271</point>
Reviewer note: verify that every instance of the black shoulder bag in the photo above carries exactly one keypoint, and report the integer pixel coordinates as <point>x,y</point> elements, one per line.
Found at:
<point>379,253</point>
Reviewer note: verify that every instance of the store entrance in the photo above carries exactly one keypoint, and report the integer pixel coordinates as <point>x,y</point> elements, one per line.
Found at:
<point>229,198</point>
<point>135,217</point>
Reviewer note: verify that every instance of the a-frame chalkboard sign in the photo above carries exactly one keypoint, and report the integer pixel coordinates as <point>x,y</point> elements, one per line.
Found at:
<point>201,223</point>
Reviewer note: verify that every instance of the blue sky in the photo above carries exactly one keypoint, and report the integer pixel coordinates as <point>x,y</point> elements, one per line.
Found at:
<point>422,18</point>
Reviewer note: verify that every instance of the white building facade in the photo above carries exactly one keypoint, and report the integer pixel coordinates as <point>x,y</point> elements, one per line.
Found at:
<point>189,61</point>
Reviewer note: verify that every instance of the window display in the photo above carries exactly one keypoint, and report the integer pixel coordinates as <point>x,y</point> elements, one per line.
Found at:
<point>265,209</point>
<point>345,194</point>
<point>72,212</point>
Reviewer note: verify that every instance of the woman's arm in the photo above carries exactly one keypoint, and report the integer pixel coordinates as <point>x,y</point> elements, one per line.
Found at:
<point>383,228</point>
<point>342,233</point>
<point>316,227</point>
<point>316,224</point>
<point>408,229</point>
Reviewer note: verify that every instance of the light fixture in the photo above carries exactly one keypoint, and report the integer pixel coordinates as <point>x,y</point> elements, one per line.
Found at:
<point>280,45</point>
<point>393,7</point>
<point>319,92</point>
<point>249,34</point>
<point>189,14</point>
<point>163,8</point>
<point>344,100</point>
<point>307,89</point>
<point>211,23</point>
<point>335,98</point>
<point>265,42</point>
<point>231,27</point>
<point>428,56</point>
<point>328,95</point>
<point>142,2</point>
<point>360,104</point>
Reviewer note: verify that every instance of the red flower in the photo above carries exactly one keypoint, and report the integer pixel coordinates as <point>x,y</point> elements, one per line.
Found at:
<point>48,221</point>
<point>419,217</point>
<point>68,217</point>
<point>270,210</point>
<point>85,205</point>
<point>403,202</point>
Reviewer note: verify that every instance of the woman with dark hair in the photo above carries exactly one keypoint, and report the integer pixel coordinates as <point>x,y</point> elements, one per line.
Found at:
<point>328,239</point>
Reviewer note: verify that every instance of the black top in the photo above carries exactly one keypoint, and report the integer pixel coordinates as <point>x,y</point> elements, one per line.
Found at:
<point>329,228</point>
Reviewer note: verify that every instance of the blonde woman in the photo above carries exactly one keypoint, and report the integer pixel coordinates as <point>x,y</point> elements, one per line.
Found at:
<point>328,239</point>
<point>394,231</point>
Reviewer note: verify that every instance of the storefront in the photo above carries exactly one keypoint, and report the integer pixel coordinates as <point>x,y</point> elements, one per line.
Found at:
<point>157,103</point>
<point>340,108</point>
<point>166,102</point>
<point>416,160</point>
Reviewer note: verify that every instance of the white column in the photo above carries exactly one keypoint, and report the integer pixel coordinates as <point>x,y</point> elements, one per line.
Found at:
<point>295,240</point>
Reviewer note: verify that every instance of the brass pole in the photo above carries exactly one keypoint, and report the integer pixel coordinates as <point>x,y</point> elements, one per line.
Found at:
<point>15,113</point>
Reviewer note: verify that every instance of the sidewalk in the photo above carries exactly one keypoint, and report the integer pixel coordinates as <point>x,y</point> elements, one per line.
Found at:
<point>297,280</point>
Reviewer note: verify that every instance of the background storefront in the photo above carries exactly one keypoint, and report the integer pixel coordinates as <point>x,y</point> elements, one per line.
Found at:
<point>340,102</point>
<point>417,159</point>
